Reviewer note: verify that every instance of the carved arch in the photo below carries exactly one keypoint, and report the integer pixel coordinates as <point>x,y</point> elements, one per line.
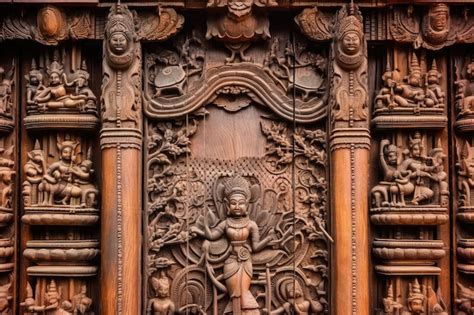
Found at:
<point>246,75</point>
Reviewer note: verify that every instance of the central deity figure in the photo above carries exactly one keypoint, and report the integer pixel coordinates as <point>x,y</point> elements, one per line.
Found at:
<point>244,238</point>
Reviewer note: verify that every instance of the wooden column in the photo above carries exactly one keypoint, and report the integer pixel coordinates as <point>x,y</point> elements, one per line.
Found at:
<point>349,144</point>
<point>121,168</point>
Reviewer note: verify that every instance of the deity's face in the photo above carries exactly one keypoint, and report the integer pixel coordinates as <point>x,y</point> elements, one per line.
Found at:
<point>439,20</point>
<point>54,78</point>
<point>34,80</point>
<point>416,306</point>
<point>432,78</point>
<point>414,80</point>
<point>118,43</point>
<point>66,153</point>
<point>240,8</point>
<point>163,291</point>
<point>392,158</point>
<point>416,151</point>
<point>237,204</point>
<point>350,43</point>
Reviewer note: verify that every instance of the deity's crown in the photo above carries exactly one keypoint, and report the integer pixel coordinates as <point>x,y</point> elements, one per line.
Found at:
<point>415,291</point>
<point>390,291</point>
<point>350,23</point>
<point>120,21</point>
<point>391,148</point>
<point>52,286</point>
<point>55,66</point>
<point>237,184</point>
<point>415,65</point>
<point>434,69</point>
<point>440,8</point>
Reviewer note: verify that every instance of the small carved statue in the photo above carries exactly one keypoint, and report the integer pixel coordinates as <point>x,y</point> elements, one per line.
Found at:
<point>80,80</point>
<point>35,169</point>
<point>67,181</point>
<point>416,299</point>
<point>390,305</point>
<point>53,305</point>
<point>465,175</point>
<point>161,304</point>
<point>384,98</point>
<point>239,230</point>
<point>434,94</point>
<point>395,182</point>
<point>465,300</point>
<point>54,95</point>
<point>419,171</point>
<point>34,79</point>
<point>439,176</point>
<point>82,303</point>
<point>6,83</point>
<point>411,94</point>
<point>296,303</point>
<point>5,297</point>
<point>7,179</point>
<point>465,92</point>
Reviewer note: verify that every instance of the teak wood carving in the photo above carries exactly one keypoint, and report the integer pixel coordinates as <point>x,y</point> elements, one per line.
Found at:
<point>237,157</point>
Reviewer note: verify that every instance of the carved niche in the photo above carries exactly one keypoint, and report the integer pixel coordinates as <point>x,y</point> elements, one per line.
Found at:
<point>419,98</point>
<point>228,230</point>
<point>58,96</point>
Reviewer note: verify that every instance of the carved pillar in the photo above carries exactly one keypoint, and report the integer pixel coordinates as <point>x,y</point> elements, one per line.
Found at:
<point>121,154</point>
<point>349,144</point>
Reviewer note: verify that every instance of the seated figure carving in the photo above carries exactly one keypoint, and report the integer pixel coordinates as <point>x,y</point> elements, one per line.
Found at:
<point>66,182</point>
<point>56,93</point>
<point>418,179</point>
<point>413,94</point>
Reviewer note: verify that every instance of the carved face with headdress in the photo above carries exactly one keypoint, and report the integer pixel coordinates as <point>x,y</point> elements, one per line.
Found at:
<point>391,154</point>
<point>55,72</point>
<point>237,196</point>
<point>119,30</point>
<point>415,145</point>
<point>67,149</point>
<point>415,298</point>
<point>439,17</point>
<point>161,286</point>
<point>349,38</point>
<point>240,8</point>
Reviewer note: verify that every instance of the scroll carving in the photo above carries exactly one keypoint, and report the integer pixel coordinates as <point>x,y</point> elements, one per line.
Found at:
<point>238,224</point>
<point>121,98</point>
<point>178,81</point>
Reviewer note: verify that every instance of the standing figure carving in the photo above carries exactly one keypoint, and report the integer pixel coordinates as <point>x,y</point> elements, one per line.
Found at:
<point>350,69</point>
<point>121,101</point>
<point>244,238</point>
<point>6,85</point>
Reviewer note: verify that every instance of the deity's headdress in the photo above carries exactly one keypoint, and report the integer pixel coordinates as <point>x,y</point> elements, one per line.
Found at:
<point>434,69</point>
<point>415,291</point>
<point>415,65</point>
<point>120,20</point>
<point>237,184</point>
<point>34,72</point>
<point>55,66</point>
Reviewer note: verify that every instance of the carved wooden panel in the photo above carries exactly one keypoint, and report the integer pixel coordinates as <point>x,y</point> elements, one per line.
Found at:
<point>236,187</point>
<point>59,184</point>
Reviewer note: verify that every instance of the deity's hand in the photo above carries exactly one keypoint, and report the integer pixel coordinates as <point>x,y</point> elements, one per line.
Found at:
<point>194,231</point>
